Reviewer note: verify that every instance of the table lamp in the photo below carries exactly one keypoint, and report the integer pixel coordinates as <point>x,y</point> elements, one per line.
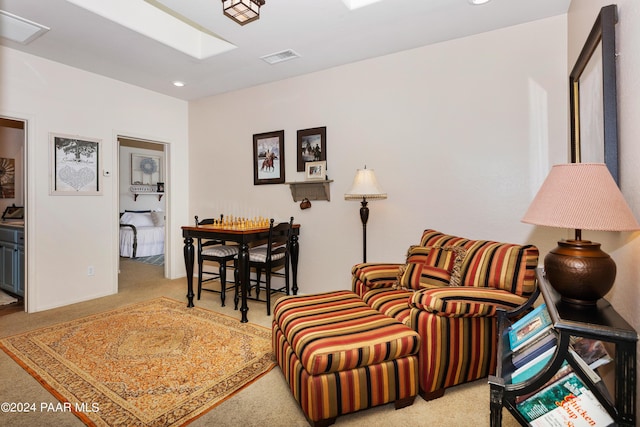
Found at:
<point>365,186</point>
<point>582,196</point>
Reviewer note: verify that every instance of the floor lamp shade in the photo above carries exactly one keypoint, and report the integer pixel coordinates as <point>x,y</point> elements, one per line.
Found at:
<point>365,186</point>
<point>580,196</point>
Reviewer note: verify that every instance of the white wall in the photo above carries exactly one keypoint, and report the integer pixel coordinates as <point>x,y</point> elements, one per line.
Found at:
<point>66,234</point>
<point>460,134</point>
<point>623,247</point>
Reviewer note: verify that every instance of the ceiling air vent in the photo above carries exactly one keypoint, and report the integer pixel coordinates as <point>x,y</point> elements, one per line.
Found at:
<point>282,56</point>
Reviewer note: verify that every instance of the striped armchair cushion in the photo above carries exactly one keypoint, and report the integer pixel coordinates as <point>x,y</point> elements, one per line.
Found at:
<point>337,331</point>
<point>465,301</point>
<point>392,303</point>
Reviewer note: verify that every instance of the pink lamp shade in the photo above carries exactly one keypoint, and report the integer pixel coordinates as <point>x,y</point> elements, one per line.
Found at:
<point>581,196</point>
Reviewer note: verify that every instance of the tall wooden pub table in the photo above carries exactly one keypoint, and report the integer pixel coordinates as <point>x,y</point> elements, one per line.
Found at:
<point>244,238</point>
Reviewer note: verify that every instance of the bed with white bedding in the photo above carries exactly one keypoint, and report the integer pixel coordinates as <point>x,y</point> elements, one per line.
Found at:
<point>141,234</point>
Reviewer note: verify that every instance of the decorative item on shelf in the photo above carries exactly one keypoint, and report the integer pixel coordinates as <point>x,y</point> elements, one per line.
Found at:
<point>242,11</point>
<point>142,189</point>
<point>305,204</point>
<point>161,187</point>
<point>582,196</point>
<point>365,186</point>
<point>147,189</point>
<point>316,170</point>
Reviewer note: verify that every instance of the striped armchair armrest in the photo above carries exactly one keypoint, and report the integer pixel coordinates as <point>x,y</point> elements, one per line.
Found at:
<point>367,276</point>
<point>465,301</point>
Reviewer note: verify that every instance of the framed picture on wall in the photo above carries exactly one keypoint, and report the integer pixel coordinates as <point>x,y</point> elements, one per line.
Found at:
<point>7,178</point>
<point>268,158</point>
<point>75,165</point>
<point>146,169</point>
<point>312,146</point>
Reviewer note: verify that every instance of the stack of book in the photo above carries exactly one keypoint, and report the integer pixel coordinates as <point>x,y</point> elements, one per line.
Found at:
<point>565,400</point>
<point>532,342</point>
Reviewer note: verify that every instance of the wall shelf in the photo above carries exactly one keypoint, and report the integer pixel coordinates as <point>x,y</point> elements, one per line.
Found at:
<point>155,193</point>
<point>312,190</point>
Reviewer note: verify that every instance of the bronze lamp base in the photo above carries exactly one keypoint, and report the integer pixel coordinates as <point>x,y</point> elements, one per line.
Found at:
<point>580,271</point>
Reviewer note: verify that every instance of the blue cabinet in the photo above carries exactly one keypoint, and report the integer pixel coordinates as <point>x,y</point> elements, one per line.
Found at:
<point>12,260</point>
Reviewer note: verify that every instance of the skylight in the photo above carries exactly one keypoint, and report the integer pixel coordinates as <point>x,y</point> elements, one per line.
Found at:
<point>355,4</point>
<point>159,24</point>
<point>19,29</point>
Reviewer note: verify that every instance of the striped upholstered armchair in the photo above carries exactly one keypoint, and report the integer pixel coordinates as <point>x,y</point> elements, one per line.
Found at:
<point>449,291</point>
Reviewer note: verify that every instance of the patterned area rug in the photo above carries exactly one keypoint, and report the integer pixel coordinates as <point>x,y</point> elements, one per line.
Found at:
<point>155,363</point>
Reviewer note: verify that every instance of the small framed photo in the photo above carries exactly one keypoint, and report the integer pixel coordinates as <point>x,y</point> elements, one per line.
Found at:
<point>161,187</point>
<point>145,169</point>
<point>312,146</point>
<point>316,170</point>
<point>75,165</point>
<point>268,158</point>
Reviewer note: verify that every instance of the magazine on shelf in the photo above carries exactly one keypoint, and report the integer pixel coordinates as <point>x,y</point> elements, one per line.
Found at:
<point>591,351</point>
<point>566,402</point>
<point>533,349</point>
<point>533,324</point>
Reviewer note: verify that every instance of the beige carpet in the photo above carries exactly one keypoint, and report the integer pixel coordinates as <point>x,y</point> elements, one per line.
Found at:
<point>266,402</point>
<point>154,363</point>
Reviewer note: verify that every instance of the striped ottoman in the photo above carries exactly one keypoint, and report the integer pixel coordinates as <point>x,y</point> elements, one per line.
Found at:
<point>339,355</point>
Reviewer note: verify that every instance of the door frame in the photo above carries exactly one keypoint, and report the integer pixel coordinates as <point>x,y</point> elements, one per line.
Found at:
<point>167,196</point>
<point>27,123</point>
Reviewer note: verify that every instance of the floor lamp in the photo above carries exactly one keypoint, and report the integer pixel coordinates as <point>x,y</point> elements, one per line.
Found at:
<point>365,186</point>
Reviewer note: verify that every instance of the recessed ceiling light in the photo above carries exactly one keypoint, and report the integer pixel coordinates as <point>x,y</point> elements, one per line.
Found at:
<point>178,83</point>
<point>478,2</point>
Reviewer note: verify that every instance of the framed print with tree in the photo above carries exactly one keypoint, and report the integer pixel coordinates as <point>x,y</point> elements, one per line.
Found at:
<point>592,92</point>
<point>75,165</point>
<point>312,146</point>
<point>316,170</point>
<point>7,178</point>
<point>268,158</point>
<point>145,169</point>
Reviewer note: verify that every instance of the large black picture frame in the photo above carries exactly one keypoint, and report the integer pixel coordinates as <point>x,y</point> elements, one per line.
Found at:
<point>593,96</point>
<point>312,146</point>
<point>268,158</point>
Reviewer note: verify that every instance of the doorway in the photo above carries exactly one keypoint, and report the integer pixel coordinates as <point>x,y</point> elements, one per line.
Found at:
<point>13,280</point>
<point>143,197</point>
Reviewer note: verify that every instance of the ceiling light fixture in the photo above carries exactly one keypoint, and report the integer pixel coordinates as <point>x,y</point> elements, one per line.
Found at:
<point>242,11</point>
<point>478,2</point>
<point>178,83</point>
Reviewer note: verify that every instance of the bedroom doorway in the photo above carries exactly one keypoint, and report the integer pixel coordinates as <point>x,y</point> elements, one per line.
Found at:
<point>143,203</point>
<point>13,208</point>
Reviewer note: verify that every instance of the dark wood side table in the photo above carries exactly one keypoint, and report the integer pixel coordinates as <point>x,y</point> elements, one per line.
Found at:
<point>600,322</point>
